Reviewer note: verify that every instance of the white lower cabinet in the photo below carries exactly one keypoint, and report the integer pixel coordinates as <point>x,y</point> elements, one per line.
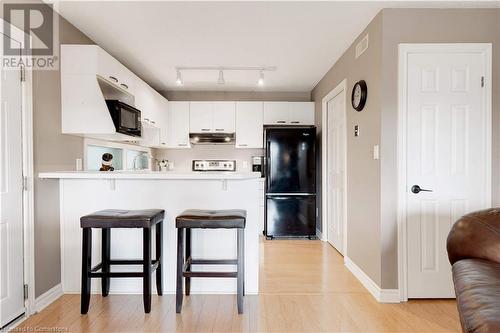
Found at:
<point>249,124</point>
<point>178,121</point>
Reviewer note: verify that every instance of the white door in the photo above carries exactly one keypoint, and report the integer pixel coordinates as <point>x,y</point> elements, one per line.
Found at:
<point>448,126</point>
<point>336,138</point>
<point>224,117</point>
<point>11,189</point>
<point>249,125</point>
<point>201,117</point>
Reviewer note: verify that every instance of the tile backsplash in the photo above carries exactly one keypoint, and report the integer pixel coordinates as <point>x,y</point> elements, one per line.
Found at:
<point>183,158</point>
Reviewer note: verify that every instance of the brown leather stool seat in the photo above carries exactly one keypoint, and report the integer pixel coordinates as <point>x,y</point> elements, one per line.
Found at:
<point>212,219</point>
<point>117,218</point>
<point>209,219</point>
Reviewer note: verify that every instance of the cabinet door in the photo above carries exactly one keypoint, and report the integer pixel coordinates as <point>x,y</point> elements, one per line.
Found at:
<point>301,113</point>
<point>224,117</point>
<point>275,113</point>
<point>143,100</point>
<point>163,123</point>
<point>249,124</point>
<point>178,119</point>
<point>201,117</point>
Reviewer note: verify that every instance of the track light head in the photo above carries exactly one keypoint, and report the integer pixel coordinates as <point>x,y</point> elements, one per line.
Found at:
<point>179,81</point>
<point>260,81</point>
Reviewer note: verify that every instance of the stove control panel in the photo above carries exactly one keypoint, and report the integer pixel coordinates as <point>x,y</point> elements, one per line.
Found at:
<point>214,165</point>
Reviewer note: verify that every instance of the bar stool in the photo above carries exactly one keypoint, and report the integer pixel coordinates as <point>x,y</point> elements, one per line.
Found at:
<point>113,218</point>
<point>209,219</point>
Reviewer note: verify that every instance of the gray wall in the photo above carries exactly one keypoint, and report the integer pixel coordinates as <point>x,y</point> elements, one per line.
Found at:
<point>174,95</point>
<point>426,26</point>
<point>372,187</point>
<point>52,151</point>
<point>363,173</point>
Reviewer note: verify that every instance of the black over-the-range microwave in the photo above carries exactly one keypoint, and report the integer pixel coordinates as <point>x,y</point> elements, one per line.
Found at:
<point>126,118</point>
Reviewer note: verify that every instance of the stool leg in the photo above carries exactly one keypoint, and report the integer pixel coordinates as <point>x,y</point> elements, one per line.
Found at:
<point>105,258</point>
<point>146,277</point>
<point>159,242</point>
<point>240,276</point>
<point>180,268</point>
<point>188,255</point>
<point>86,267</point>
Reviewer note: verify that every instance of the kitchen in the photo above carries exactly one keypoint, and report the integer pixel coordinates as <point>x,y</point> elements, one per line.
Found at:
<point>246,155</point>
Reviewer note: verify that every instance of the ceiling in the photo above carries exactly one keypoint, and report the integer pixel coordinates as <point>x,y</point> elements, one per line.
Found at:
<point>302,39</point>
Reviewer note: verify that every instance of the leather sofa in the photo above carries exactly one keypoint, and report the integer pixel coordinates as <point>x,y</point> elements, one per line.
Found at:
<point>474,251</point>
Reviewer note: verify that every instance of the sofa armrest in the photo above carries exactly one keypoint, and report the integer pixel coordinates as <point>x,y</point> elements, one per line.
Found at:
<point>475,235</point>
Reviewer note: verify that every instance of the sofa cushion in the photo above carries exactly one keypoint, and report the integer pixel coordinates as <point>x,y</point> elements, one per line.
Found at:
<point>477,286</point>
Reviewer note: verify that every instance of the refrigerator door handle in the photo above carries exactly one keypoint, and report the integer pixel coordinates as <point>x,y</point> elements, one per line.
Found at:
<point>290,194</point>
<point>268,163</point>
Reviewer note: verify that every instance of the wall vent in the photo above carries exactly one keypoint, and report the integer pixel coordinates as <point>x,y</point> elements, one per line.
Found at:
<point>362,46</point>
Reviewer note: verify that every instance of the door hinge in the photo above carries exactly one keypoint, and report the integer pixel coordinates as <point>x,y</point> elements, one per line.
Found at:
<point>23,74</point>
<point>25,291</point>
<point>482,81</point>
<point>25,183</point>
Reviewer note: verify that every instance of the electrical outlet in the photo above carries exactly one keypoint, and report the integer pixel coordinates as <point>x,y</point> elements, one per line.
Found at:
<point>356,130</point>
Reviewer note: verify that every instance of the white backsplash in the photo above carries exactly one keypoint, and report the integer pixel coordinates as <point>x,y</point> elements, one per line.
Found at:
<point>183,158</point>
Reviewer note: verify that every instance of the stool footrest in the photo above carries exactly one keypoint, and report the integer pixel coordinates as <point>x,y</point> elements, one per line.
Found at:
<point>94,273</point>
<point>214,261</point>
<point>210,274</point>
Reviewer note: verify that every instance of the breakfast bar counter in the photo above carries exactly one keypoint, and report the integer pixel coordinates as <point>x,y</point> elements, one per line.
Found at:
<point>82,193</point>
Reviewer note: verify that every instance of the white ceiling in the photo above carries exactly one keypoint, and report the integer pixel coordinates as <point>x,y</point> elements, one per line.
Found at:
<point>302,39</point>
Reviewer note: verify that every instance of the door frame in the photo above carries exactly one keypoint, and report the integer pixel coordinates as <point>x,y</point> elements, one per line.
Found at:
<point>404,50</point>
<point>341,88</point>
<point>28,193</point>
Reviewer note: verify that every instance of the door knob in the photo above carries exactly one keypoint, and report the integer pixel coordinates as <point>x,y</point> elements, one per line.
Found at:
<point>417,189</point>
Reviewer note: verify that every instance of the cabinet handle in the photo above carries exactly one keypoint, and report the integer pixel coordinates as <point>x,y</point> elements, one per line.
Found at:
<point>152,122</point>
<point>281,122</point>
<point>146,119</point>
<point>114,79</point>
<point>163,143</point>
<point>295,122</point>
<point>182,144</point>
<point>242,145</point>
<point>124,85</point>
<point>219,129</point>
<point>205,129</point>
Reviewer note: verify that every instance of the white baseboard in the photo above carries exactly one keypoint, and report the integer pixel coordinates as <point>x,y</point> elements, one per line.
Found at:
<point>44,300</point>
<point>381,295</point>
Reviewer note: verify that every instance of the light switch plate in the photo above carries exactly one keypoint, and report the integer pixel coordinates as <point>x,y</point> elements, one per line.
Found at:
<point>376,152</point>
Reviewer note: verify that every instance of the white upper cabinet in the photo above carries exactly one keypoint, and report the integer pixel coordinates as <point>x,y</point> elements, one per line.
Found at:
<point>201,117</point>
<point>210,117</point>
<point>301,113</point>
<point>163,123</point>
<point>288,113</point>
<point>275,113</point>
<point>178,121</point>
<point>249,124</point>
<point>224,117</point>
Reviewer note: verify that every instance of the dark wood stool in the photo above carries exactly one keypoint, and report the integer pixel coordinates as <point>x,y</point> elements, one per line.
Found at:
<point>209,219</point>
<point>113,218</point>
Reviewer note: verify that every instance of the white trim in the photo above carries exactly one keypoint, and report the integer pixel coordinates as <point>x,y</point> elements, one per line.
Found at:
<point>404,51</point>
<point>319,234</point>
<point>340,88</point>
<point>48,297</point>
<point>381,295</point>
<point>28,195</point>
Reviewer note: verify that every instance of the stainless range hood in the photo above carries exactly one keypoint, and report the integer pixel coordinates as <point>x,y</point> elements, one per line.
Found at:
<point>212,138</point>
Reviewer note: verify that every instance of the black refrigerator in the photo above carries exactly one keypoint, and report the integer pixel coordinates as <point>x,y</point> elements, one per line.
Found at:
<point>290,171</point>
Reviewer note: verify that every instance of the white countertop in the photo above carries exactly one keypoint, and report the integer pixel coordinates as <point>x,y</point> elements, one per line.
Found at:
<point>147,175</point>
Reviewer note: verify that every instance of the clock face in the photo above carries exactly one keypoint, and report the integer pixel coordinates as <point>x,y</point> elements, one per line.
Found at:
<point>359,94</point>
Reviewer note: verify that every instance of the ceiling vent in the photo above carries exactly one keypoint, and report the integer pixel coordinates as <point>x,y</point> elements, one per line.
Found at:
<point>362,46</point>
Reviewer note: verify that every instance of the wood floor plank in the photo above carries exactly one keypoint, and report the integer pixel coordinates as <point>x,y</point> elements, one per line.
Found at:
<point>304,287</point>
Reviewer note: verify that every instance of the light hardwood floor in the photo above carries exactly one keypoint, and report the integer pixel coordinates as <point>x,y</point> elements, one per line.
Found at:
<point>304,288</point>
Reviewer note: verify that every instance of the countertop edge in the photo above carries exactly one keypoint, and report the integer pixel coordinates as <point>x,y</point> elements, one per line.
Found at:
<point>166,176</point>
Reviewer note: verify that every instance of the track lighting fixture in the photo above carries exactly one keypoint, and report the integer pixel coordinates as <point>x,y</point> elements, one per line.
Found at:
<point>260,82</point>
<point>222,69</point>
<point>179,81</point>
<point>221,80</point>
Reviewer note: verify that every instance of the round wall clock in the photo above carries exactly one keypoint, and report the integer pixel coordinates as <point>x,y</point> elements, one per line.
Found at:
<point>359,95</point>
